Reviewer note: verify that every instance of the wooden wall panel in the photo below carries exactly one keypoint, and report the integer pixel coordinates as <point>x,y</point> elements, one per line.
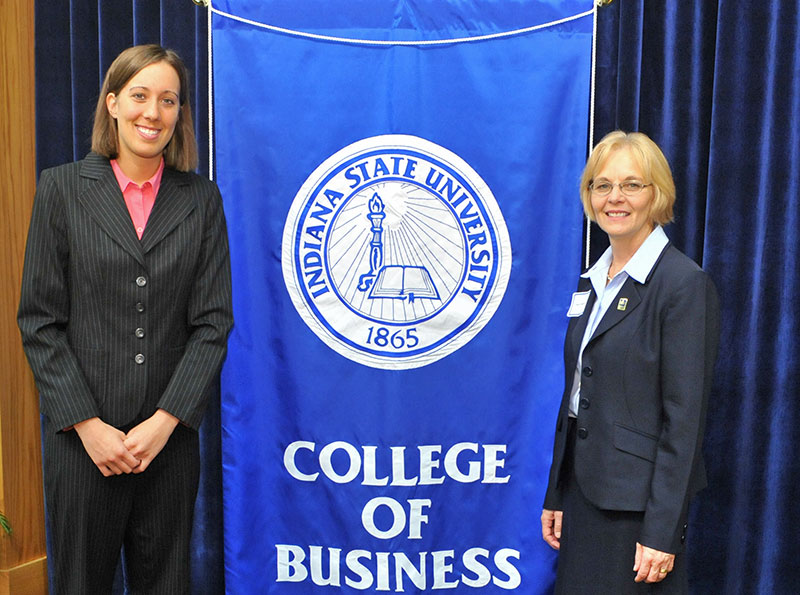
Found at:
<point>23,566</point>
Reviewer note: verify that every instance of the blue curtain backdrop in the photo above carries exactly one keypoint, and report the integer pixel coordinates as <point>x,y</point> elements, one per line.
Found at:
<point>306,379</point>
<point>716,84</point>
<point>76,42</point>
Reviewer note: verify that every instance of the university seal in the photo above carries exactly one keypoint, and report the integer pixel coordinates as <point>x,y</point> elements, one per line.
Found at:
<point>395,252</point>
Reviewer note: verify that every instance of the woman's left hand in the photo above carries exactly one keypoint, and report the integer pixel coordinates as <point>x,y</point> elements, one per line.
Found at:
<point>147,439</point>
<point>652,565</point>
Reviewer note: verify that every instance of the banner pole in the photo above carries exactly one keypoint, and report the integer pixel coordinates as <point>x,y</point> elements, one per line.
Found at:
<point>210,98</point>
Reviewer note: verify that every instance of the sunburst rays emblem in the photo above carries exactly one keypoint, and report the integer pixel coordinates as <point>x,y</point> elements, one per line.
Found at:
<point>395,252</point>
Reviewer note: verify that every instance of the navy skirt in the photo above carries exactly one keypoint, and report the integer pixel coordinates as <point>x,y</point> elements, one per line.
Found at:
<point>598,547</point>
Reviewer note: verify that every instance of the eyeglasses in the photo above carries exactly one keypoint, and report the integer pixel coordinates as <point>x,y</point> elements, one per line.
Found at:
<point>628,187</point>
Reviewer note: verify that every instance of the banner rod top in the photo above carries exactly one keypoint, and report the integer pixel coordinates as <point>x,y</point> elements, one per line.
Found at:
<point>387,42</point>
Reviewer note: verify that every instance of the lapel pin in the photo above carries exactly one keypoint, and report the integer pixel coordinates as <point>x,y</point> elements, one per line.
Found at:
<point>622,304</point>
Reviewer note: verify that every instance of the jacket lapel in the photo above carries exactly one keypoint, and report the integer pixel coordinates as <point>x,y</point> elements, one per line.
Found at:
<point>101,197</point>
<point>626,302</point>
<point>628,298</point>
<point>173,204</point>
<point>577,325</point>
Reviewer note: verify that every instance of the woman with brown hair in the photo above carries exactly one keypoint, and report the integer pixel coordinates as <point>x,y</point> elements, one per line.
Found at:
<point>124,312</point>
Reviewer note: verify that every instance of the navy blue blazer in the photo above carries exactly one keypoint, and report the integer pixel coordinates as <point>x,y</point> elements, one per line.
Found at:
<point>645,381</point>
<point>114,326</point>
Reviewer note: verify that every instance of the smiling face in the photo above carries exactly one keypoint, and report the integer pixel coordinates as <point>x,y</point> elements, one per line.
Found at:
<point>624,218</point>
<point>146,110</point>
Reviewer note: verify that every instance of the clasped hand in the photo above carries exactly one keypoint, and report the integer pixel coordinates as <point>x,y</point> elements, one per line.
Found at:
<point>114,452</point>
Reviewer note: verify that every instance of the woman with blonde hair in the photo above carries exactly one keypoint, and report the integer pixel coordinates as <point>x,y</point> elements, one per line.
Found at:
<point>639,355</point>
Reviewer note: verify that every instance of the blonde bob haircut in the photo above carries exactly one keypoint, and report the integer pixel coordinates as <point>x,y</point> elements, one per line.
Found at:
<point>650,160</point>
<point>181,151</point>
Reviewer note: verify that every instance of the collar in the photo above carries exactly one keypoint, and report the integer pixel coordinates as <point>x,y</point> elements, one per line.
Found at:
<point>124,181</point>
<point>640,264</point>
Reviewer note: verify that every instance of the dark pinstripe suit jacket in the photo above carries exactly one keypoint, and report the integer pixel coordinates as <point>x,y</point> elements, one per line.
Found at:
<point>113,326</point>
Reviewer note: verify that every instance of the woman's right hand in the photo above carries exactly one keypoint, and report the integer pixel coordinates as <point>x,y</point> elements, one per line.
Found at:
<point>551,527</point>
<point>104,445</point>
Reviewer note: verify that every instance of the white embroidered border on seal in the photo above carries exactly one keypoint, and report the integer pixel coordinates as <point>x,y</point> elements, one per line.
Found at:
<point>395,252</point>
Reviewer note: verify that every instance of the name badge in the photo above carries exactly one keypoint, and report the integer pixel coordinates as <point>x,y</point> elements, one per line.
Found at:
<point>578,303</point>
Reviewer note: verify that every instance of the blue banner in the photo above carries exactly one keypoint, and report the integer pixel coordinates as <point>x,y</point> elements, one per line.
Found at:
<point>405,234</point>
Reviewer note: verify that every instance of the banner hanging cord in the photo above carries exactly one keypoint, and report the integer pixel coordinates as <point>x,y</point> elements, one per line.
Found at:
<point>587,261</point>
<point>210,102</point>
<point>383,42</point>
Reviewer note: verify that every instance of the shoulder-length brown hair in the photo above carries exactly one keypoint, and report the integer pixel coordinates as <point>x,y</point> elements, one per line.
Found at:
<point>181,151</point>
<point>650,159</point>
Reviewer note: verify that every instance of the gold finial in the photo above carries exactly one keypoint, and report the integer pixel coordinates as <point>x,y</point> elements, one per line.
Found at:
<point>603,2</point>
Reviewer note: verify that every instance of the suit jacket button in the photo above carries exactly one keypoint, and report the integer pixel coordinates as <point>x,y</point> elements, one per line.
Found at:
<point>139,358</point>
<point>139,332</point>
<point>587,371</point>
<point>141,281</point>
<point>584,403</point>
<point>139,307</point>
<point>582,433</point>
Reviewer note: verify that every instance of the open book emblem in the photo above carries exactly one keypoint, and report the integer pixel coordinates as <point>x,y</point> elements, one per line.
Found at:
<point>394,281</point>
